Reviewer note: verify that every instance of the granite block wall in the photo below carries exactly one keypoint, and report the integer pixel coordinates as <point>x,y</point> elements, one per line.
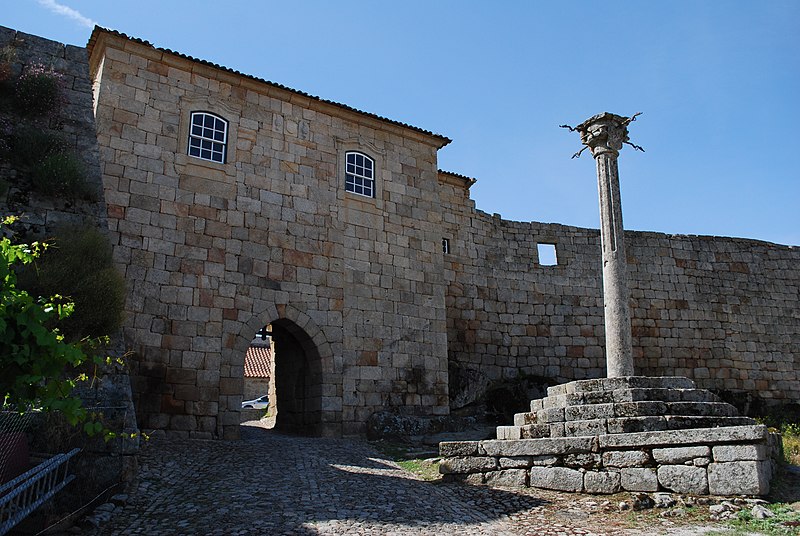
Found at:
<point>722,311</point>
<point>215,251</point>
<point>73,123</point>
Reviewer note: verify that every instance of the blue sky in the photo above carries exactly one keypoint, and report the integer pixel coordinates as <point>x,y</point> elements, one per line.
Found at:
<point>718,83</point>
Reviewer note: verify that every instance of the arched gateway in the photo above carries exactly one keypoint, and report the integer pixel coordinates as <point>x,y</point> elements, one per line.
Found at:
<point>304,373</point>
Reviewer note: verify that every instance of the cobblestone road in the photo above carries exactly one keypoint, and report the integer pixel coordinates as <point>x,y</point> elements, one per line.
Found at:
<point>269,484</point>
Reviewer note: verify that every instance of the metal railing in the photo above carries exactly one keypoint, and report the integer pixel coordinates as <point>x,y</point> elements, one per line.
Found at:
<point>25,493</point>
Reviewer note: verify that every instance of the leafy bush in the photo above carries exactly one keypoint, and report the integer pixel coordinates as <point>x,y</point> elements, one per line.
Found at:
<point>39,91</point>
<point>40,368</point>
<point>79,264</point>
<point>8,56</point>
<point>61,175</point>
<point>6,129</point>
<point>30,144</point>
<point>34,356</point>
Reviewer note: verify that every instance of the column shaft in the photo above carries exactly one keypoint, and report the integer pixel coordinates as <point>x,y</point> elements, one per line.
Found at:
<point>619,358</point>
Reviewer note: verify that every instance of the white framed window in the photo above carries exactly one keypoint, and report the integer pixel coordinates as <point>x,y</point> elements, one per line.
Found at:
<point>359,176</point>
<point>445,245</point>
<point>208,137</point>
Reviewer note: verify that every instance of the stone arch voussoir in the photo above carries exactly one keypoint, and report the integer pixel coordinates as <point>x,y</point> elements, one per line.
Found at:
<point>306,331</point>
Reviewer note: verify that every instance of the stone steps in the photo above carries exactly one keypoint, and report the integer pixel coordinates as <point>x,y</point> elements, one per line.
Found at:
<point>631,409</point>
<point>621,405</point>
<point>625,382</point>
<point>618,396</point>
<point>632,433</point>
<point>622,425</point>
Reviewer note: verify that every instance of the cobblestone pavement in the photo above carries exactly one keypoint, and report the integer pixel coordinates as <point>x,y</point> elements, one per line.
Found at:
<point>269,484</point>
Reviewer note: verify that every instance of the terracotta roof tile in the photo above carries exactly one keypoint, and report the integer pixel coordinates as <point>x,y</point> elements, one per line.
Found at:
<point>257,361</point>
<point>469,181</point>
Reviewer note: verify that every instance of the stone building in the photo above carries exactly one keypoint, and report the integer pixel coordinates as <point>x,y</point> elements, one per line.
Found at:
<point>235,203</point>
<point>258,370</point>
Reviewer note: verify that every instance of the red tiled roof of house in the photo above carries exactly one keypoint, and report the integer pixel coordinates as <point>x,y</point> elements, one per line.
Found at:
<point>257,362</point>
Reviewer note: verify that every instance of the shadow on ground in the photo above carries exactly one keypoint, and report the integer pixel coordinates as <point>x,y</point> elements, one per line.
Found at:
<point>272,483</point>
<point>786,485</point>
<point>347,480</point>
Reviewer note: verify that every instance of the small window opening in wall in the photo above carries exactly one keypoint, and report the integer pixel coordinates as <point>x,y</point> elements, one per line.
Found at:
<point>547,254</point>
<point>445,245</point>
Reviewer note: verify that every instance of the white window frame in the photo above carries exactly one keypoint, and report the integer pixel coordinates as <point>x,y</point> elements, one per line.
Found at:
<point>207,144</point>
<point>359,179</point>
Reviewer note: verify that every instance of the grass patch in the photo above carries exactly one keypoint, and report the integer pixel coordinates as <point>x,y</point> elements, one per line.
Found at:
<point>425,469</point>
<point>790,435</point>
<point>408,458</point>
<point>786,521</point>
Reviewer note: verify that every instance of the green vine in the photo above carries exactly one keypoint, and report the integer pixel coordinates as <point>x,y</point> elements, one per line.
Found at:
<point>39,368</point>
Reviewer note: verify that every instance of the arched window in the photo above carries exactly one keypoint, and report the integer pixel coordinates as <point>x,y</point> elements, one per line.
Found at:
<point>208,137</point>
<point>359,174</point>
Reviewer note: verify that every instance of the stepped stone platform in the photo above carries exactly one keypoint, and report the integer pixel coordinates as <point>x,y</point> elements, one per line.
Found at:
<point>631,433</point>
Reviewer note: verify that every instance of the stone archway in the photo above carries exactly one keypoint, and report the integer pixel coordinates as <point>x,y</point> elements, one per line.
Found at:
<point>298,379</point>
<point>303,374</point>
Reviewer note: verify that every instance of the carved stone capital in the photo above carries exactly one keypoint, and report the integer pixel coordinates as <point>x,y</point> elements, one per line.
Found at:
<point>604,133</point>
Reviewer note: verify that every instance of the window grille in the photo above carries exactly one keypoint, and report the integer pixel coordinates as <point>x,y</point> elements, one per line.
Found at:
<point>359,174</point>
<point>208,137</point>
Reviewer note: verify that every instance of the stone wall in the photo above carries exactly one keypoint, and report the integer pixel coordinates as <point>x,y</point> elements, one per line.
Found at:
<point>100,464</point>
<point>74,122</point>
<point>739,460</point>
<point>722,311</point>
<point>358,289</point>
<point>255,388</point>
<point>352,286</point>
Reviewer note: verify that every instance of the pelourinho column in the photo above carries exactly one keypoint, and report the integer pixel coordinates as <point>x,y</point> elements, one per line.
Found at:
<point>604,135</point>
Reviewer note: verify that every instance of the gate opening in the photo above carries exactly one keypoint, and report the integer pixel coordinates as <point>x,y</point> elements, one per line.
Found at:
<point>283,366</point>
